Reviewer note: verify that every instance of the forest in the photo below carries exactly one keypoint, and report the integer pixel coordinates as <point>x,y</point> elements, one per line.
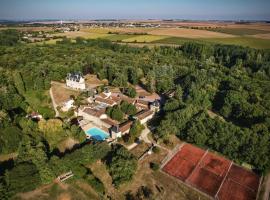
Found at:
<point>230,81</point>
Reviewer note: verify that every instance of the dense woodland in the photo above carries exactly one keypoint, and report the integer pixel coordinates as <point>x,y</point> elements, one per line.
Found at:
<point>232,82</point>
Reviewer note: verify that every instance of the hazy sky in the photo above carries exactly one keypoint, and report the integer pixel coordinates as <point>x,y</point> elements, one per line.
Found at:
<point>135,9</point>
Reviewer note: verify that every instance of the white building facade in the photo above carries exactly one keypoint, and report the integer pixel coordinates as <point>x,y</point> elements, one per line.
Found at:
<point>75,81</point>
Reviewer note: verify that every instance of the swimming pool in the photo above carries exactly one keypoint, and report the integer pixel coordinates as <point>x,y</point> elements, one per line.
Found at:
<point>97,134</point>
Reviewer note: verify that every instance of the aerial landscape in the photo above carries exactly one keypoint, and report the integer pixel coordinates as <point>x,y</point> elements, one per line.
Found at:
<point>134,100</point>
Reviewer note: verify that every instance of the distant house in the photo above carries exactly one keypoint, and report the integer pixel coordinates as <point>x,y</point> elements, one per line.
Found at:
<point>75,81</point>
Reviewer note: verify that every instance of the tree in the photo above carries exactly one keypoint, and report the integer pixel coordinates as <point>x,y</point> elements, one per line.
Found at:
<point>131,92</point>
<point>115,113</point>
<point>179,93</point>
<point>122,165</point>
<point>23,177</point>
<point>136,129</point>
<point>10,139</point>
<point>133,76</point>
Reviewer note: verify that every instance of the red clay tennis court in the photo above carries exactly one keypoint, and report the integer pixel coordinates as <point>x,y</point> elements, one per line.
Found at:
<point>213,175</point>
<point>240,184</point>
<point>211,171</point>
<point>184,162</point>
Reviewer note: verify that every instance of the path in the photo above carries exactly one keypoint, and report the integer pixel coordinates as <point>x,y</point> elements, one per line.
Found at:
<point>144,135</point>
<point>267,188</point>
<point>132,146</point>
<point>54,104</point>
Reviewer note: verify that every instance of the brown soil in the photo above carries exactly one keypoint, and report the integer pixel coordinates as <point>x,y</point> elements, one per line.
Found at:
<point>61,94</point>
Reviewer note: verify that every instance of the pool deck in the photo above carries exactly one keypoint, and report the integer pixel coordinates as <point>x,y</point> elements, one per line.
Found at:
<point>92,125</point>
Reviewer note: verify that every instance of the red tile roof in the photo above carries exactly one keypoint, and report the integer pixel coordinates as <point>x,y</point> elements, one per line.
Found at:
<point>94,112</point>
<point>125,126</point>
<point>143,114</point>
<point>110,122</point>
<point>106,101</point>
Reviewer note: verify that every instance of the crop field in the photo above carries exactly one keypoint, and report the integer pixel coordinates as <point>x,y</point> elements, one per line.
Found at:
<point>239,31</point>
<point>145,38</point>
<point>248,35</point>
<point>118,37</point>
<point>252,42</point>
<point>189,33</point>
<point>84,34</point>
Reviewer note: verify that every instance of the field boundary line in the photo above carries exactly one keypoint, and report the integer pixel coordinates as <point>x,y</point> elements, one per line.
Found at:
<point>216,195</point>
<point>196,167</point>
<point>172,154</point>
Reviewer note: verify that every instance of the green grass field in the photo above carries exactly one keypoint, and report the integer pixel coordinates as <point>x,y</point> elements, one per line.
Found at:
<point>145,38</point>
<point>241,41</point>
<point>239,31</point>
<point>119,37</point>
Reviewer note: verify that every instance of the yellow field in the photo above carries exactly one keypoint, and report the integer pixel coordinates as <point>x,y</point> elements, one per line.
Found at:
<point>84,34</point>
<point>145,38</point>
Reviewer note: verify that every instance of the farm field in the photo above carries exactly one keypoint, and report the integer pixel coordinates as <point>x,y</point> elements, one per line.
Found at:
<point>145,38</point>
<point>254,36</point>
<point>239,31</point>
<point>189,33</point>
<point>252,42</point>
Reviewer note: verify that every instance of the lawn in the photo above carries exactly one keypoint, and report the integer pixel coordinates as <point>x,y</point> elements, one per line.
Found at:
<point>62,94</point>
<point>40,101</point>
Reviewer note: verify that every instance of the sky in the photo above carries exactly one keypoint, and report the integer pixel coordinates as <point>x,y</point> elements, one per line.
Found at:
<point>135,9</point>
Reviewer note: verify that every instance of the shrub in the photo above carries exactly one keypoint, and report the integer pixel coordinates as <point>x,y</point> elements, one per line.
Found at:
<point>156,149</point>
<point>154,166</point>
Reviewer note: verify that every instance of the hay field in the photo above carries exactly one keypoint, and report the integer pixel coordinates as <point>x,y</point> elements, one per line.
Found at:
<point>189,33</point>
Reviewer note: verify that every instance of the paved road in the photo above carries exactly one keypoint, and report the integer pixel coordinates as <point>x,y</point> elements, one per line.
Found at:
<point>54,104</point>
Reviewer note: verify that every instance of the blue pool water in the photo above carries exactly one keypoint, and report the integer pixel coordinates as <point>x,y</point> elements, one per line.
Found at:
<point>97,134</point>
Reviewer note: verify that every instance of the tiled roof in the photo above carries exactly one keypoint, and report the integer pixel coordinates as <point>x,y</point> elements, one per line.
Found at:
<point>106,101</point>
<point>102,95</point>
<point>94,112</point>
<point>110,121</point>
<point>127,99</point>
<point>125,126</point>
<point>142,102</point>
<point>143,114</point>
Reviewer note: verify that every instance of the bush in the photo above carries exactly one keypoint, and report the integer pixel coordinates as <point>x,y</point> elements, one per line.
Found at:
<point>156,149</point>
<point>154,166</point>
<point>95,183</point>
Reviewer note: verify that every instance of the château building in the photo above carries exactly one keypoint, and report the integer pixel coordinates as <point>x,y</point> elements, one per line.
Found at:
<point>75,81</point>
